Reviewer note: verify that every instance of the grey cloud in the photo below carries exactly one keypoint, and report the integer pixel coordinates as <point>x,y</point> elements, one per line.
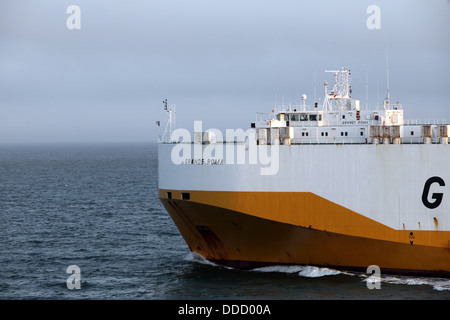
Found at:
<point>214,59</point>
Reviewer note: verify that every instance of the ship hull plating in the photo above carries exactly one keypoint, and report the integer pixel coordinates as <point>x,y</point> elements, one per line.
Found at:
<point>340,206</point>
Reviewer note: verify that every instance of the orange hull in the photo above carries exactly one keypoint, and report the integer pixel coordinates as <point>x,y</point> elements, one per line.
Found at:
<point>251,229</point>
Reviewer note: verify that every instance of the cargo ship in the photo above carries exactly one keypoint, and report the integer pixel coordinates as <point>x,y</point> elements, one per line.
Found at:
<point>332,184</point>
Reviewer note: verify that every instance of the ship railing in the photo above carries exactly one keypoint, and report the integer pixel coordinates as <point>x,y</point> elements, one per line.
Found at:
<point>334,123</point>
<point>293,107</point>
<point>411,122</point>
<point>265,116</point>
<point>264,123</point>
<point>361,141</point>
<point>330,141</point>
<point>317,141</point>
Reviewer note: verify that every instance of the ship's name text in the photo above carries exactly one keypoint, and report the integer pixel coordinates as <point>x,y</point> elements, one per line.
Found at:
<point>204,161</point>
<point>355,122</point>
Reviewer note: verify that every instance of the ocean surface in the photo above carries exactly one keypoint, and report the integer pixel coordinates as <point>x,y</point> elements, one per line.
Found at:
<point>95,206</point>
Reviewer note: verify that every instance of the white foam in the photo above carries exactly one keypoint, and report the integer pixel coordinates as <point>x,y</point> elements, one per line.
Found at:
<point>438,284</point>
<point>443,285</point>
<point>196,257</point>
<point>314,272</point>
<point>304,271</point>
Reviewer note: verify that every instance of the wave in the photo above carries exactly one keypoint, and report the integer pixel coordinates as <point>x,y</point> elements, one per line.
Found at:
<point>303,271</point>
<point>196,257</point>
<point>438,284</point>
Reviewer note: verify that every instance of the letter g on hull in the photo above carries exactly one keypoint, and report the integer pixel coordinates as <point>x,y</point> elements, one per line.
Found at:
<point>437,197</point>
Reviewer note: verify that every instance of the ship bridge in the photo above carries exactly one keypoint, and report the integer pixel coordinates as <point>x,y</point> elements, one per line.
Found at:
<point>340,119</point>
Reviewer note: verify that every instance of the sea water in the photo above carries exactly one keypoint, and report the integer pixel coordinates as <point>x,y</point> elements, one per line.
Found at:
<point>95,207</point>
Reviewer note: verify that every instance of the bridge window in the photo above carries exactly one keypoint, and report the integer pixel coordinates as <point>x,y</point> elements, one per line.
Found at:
<point>303,117</point>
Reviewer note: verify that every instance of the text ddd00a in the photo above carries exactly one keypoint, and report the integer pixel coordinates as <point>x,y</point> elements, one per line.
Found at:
<point>226,309</point>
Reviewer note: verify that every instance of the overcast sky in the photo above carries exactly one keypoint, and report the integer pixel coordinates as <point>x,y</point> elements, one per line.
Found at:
<point>217,61</point>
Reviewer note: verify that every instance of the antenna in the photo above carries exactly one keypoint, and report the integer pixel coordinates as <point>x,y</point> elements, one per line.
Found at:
<point>378,97</point>
<point>325,101</point>
<point>315,85</point>
<point>367,91</point>
<point>170,109</point>
<point>387,73</point>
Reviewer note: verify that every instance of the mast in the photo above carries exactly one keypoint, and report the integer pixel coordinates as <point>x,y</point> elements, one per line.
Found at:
<point>315,86</point>
<point>386,102</point>
<point>367,91</point>
<point>170,109</point>
<point>341,91</point>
